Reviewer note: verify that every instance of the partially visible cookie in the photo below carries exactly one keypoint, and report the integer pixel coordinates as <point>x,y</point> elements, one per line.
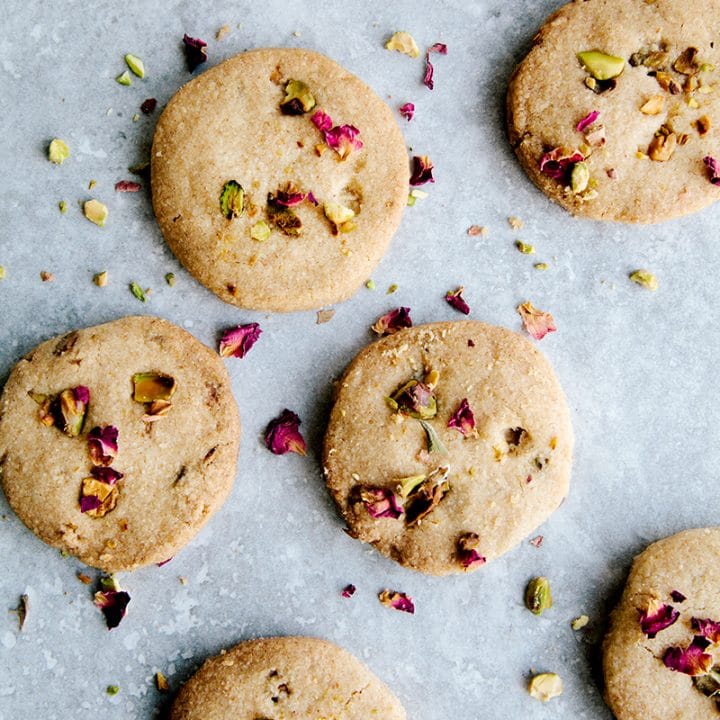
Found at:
<point>614,109</point>
<point>118,442</point>
<point>285,677</point>
<point>278,179</point>
<point>661,657</point>
<point>447,444</point>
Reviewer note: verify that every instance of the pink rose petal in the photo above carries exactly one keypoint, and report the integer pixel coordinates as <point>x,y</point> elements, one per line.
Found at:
<point>393,321</point>
<point>463,419</point>
<point>103,444</point>
<point>457,301</point>
<point>429,69</point>
<point>536,322</point>
<point>407,111</point>
<point>657,617</point>
<point>588,120</point>
<point>692,660</point>
<point>282,434</point>
<point>422,170</point>
<point>237,342</point>
<point>381,503</point>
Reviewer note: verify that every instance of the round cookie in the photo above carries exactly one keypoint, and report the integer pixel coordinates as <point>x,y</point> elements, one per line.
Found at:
<point>178,462</point>
<point>634,176</point>
<point>285,677</point>
<point>227,125</point>
<point>672,582</point>
<point>450,508</point>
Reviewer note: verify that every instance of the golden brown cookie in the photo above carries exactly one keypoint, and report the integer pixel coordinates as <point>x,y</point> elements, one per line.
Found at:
<point>118,442</point>
<point>447,444</point>
<point>649,70</point>
<point>269,204</point>
<point>282,678</point>
<point>661,657</point>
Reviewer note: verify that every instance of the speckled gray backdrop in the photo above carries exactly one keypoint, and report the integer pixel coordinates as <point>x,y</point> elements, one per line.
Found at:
<point>639,368</point>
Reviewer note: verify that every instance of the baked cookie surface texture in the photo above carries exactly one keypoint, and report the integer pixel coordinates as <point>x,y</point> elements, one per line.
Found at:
<point>614,113</point>
<point>447,444</point>
<point>119,441</point>
<point>279,179</point>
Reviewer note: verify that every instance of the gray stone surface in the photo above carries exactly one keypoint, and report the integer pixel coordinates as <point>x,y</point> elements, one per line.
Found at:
<point>639,368</point>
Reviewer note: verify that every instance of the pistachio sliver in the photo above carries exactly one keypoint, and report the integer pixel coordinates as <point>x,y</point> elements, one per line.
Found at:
<point>407,485</point>
<point>538,596</point>
<point>151,386</point>
<point>232,199</point>
<point>58,151</point>
<point>579,177</point>
<point>298,98</point>
<point>601,65</point>
<point>136,65</point>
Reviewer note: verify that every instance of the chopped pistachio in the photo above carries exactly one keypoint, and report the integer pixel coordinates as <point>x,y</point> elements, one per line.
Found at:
<point>406,485</point>
<point>416,194</point>
<point>138,292</point>
<point>92,184</point>
<point>58,151</point>
<point>515,223</point>
<point>161,682</point>
<point>579,177</point>
<point>124,78</point>
<point>692,103</point>
<point>524,248</point>
<point>545,686</point>
<point>22,610</point>
<point>95,212</point>
<point>393,288</point>
<point>136,65</point>
<point>703,125</point>
<point>339,215</point>
<point>601,65</point>
<point>403,42</point>
<point>434,445</point>
<point>541,266</point>
<point>580,622</point>
<point>112,689</point>
<point>62,207</point>
<point>232,199</point>
<point>170,279</point>
<point>260,231</point>
<point>644,278</point>
<point>2,272</point>
<point>46,276</point>
<point>538,596</point>
<point>687,62</point>
<point>709,684</point>
<point>370,284</point>
<point>101,278</point>
<point>152,386</point>
<point>104,495</point>
<point>411,201</point>
<point>223,32</point>
<point>654,106</point>
<point>135,117</point>
<point>667,82</point>
<point>298,98</point>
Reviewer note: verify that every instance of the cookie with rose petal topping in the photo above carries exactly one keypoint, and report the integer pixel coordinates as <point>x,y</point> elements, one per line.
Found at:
<point>613,113</point>
<point>285,677</point>
<point>661,656</point>
<point>118,442</point>
<point>279,179</point>
<point>448,444</point>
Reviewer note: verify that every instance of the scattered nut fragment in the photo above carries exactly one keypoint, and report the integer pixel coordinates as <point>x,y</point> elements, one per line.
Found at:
<point>654,106</point>
<point>223,32</point>
<point>161,682</point>
<point>475,230</point>
<point>579,177</point>
<point>580,622</point>
<point>324,316</point>
<point>124,78</point>
<point>136,65</point>
<point>101,278</point>
<point>170,279</point>
<point>404,43</point>
<point>541,266</point>
<point>46,276</point>
<point>2,272</point>
<point>95,212</point>
<point>525,248</point>
<point>601,65</point>
<point>662,147</point>
<point>538,596</point>
<point>545,686</point>
<point>62,207</point>
<point>703,125</point>
<point>58,151</point>
<point>644,278</point>
<point>516,223</point>
<point>138,292</point>
<point>666,82</point>
<point>687,63</point>
<point>83,578</point>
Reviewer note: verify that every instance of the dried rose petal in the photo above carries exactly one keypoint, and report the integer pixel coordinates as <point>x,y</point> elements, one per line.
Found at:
<point>287,198</point>
<point>311,198</point>
<point>397,601</point>
<point>713,167</point>
<point>456,300</point>
<point>537,541</point>
<point>107,475</point>
<point>463,419</point>
<point>127,186</point>
<point>283,435</point>
<point>416,399</point>
<point>341,138</point>
<point>103,444</point>
<point>588,120</point>
<point>707,628</point>
<point>657,617</point>
<point>348,591</point>
<point>195,51</point>
<point>381,503</point>
<point>557,162</point>
<point>691,660</point>
<point>422,171</point>
<point>113,604</point>
<point>429,69</point>
<point>164,562</point>
<point>393,321</point>
<point>237,342</point>
<point>677,596</point>
<point>148,106</point>
<point>426,497</point>
<point>536,322</point>
<point>89,503</point>
<point>407,111</point>
<point>467,552</point>
<point>69,409</point>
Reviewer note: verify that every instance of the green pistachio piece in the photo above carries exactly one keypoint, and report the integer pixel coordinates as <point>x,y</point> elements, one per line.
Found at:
<point>138,292</point>
<point>58,151</point>
<point>545,686</point>
<point>392,289</point>
<point>69,413</point>
<point>406,485</point>
<point>338,214</point>
<point>579,177</point>
<point>709,684</point>
<point>524,248</point>
<point>411,201</point>
<point>541,266</point>
<point>434,445</point>
<point>151,386</point>
<point>601,65</point>
<point>580,622</point>
<point>95,212</point>
<point>112,689</point>
<point>232,199</point>
<point>283,218</point>
<point>124,78</point>
<point>2,272</point>
<point>370,284</point>
<point>644,278</point>
<point>417,402</point>
<point>260,231</point>
<point>62,207</point>
<point>298,98</point>
<point>170,279</point>
<point>538,596</point>
<point>136,65</point>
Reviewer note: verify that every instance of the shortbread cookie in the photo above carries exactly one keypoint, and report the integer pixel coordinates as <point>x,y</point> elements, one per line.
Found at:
<point>614,110</point>
<point>447,444</point>
<point>278,179</point>
<point>118,442</point>
<point>662,653</point>
<point>282,678</point>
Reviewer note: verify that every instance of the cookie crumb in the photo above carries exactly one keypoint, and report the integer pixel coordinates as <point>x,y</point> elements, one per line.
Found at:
<point>515,223</point>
